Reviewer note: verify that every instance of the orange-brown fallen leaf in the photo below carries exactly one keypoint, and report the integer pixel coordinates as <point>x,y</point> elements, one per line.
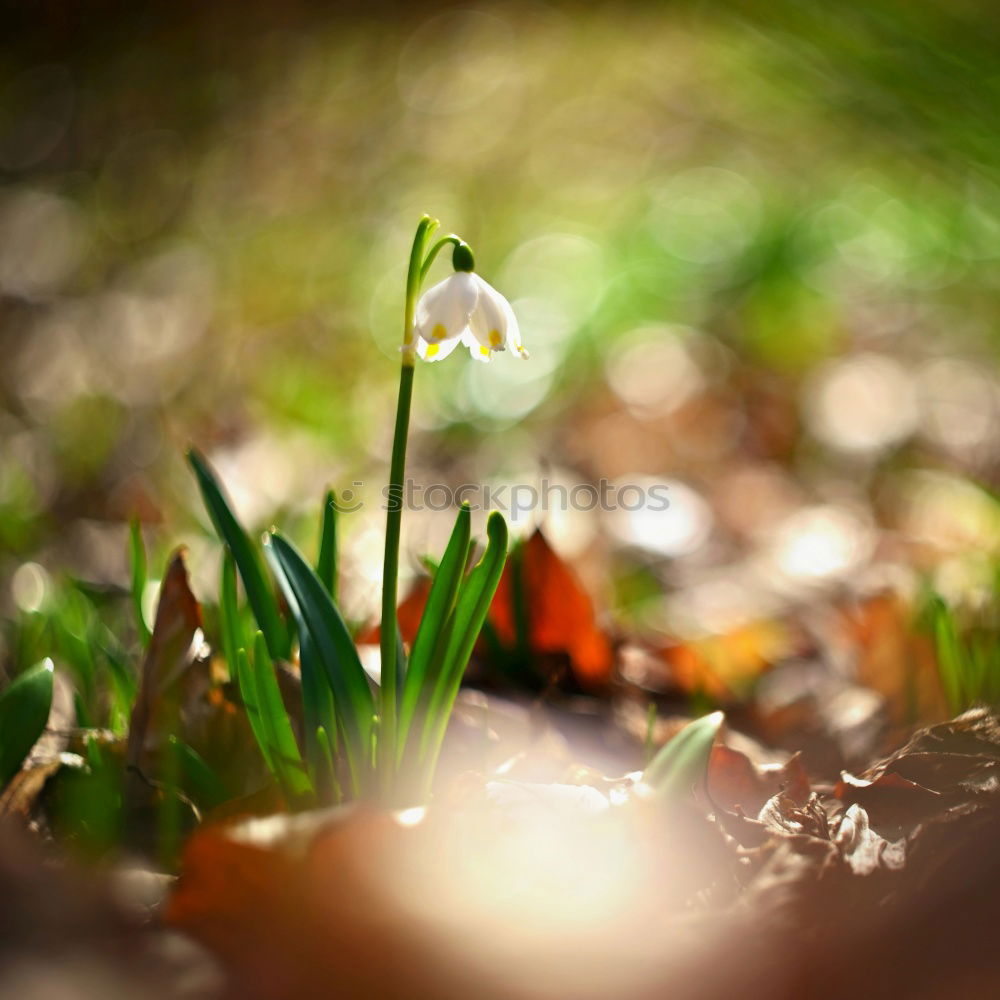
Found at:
<point>894,659</point>
<point>559,613</point>
<point>721,667</point>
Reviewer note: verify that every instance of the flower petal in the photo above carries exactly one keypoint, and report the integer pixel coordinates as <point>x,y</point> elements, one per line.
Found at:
<point>514,333</point>
<point>479,351</point>
<point>443,311</point>
<point>490,318</point>
<point>436,350</point>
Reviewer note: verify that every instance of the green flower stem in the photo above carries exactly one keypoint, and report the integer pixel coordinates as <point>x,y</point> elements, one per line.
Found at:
<point>394,516</point>
<point>456,241</point>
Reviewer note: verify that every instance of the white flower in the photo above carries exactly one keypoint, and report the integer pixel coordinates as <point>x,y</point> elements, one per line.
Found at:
<point>465,309</point>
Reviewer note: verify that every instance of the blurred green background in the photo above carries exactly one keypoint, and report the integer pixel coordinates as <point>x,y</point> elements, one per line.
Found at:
<point>752,248</point>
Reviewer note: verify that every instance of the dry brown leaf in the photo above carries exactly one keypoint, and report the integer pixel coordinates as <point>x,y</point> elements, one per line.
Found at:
<point>735,782</point>
<point>862,848</point>
<point>943,767</point>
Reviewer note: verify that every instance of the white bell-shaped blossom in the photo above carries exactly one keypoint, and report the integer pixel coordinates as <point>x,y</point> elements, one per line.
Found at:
<point>468,310</point>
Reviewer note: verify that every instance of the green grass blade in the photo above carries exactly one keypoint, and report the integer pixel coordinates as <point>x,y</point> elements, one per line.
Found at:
<point>470,612</point>
<point>83,719</point>
<point>440,601</point>
<point>975,672</point>
<point>324,636</point>
<point>72,625</point>
<point>123,687</point>
<point>949,655</point>
<point>326,564</point>
<point>259,592</point>
<point>24,711</point>
<point>681,765</point>
<point>199,781</point>
<point>137,557</point>
<point>284,750</point>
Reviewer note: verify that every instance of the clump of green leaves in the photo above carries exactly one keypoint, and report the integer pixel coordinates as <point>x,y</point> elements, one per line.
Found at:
<point>345,752</point>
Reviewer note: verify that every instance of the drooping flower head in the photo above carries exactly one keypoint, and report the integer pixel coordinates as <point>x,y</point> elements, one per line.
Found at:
<point>468,310</point>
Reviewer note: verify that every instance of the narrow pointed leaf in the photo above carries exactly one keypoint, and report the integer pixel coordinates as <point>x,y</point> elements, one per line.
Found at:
<point>284,750</point>
<point>324,636</point>
<point>326,564</point>
<point>681,765</point>
<point>259,592</point>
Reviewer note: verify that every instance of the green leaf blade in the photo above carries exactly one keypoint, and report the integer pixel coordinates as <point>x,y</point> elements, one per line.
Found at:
<point>471,608</point>
<point>682,763</point>
<point>440,601</point>
<point>284,750</point>
<point>326,563</point>
<point>24,712</point>
<point>248,692</point>
<point>231,534</point>
<point>199,780</point>
<point>230,623</point>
